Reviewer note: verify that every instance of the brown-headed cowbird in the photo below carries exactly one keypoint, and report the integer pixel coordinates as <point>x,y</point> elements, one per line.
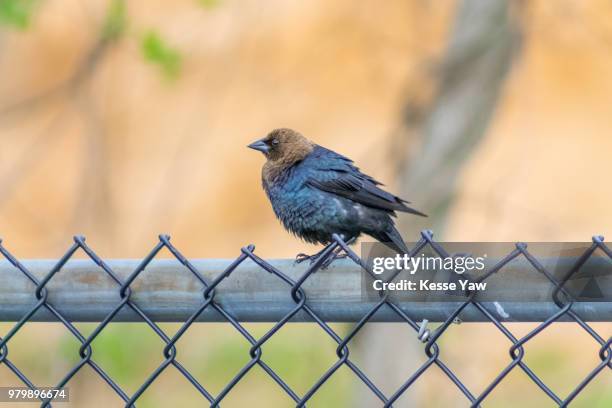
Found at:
<point>316,192</point>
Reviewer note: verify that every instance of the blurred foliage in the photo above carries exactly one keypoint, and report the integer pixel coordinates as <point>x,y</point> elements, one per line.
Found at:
<point>16,13</point>
<point>283,353</point>
<point>156,51</point>
<point>115,21</point>
<point>209,3</point>
<point>214,354</point>
<point>596,397</point>
<point>124,349</point>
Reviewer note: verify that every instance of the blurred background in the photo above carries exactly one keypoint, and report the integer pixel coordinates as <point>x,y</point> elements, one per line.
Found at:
<point>122,120</point>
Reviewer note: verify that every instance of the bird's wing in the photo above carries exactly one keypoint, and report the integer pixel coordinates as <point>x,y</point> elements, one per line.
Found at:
<point>336,174</point>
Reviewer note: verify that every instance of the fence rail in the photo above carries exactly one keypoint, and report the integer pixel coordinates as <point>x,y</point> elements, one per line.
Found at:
<point>187,291</point>
<point>168,292</point>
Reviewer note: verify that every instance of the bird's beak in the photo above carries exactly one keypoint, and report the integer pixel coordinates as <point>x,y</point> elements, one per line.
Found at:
<point>260,145</point>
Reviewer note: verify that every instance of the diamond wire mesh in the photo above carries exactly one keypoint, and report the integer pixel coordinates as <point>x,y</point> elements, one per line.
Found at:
<point>299,296</point>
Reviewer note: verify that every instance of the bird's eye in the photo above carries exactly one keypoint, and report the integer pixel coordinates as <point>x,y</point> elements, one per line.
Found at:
<point>275,142</point>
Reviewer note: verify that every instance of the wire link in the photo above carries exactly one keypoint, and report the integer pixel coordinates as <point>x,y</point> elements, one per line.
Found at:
<point>430,338</point>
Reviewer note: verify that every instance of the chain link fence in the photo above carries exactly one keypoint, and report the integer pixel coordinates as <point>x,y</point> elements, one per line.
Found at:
<point>209,301</point>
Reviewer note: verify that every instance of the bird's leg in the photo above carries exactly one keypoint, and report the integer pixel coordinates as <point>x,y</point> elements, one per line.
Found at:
<point>338,253</point>
<point>301,257</point>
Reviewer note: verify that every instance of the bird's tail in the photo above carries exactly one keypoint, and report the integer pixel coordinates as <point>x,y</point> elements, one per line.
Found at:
<point>392,238</point>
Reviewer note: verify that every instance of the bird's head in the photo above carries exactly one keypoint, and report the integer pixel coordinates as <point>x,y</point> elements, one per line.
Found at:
<point>283,145</point>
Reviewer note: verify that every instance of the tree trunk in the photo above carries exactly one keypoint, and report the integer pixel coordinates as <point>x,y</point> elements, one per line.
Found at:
<point>483,43</point>
<point>481,48</point>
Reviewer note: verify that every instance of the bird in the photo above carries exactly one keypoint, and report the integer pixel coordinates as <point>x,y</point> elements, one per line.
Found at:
<point>316,193</point>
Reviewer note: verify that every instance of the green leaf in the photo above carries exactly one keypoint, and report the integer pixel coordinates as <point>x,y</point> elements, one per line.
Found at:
<point>115,21</point>
<point>16,13</point>
<point>156,51</point>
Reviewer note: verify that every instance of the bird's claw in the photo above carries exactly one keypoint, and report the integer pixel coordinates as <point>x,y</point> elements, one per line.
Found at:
<point>302,257</point>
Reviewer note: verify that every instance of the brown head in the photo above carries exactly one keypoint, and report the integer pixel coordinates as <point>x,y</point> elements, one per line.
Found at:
<point>283,148</point>
<point>284,145</point>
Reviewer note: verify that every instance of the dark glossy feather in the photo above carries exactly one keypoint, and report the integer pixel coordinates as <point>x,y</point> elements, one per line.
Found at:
<point>351,183</point>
